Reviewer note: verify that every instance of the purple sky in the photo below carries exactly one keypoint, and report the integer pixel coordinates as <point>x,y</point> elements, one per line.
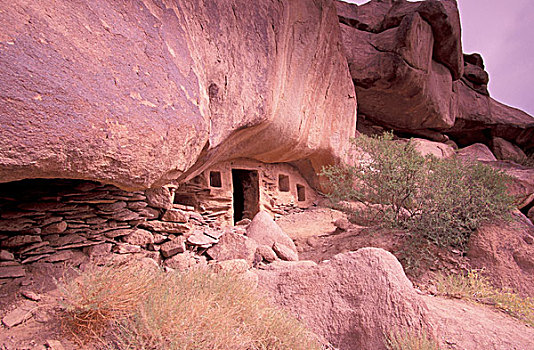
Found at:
<point>503,32</point>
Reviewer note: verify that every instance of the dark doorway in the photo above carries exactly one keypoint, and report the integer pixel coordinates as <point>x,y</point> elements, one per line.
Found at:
<point>246,194</point>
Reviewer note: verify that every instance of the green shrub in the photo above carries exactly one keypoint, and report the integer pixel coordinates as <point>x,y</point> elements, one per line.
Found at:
<point>139,307</point>
<point>439,201</point>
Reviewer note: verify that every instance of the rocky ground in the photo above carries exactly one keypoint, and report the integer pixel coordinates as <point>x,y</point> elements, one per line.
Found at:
<point>360,292</point>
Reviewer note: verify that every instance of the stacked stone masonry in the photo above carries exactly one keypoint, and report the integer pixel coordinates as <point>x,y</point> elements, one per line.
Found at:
<point>62,220</point>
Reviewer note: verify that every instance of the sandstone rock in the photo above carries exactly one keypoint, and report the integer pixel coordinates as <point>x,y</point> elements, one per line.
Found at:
<point>12,271</point>
<point>500,248</point>
<point>444,18</point>
<point>437,149</point>
<point>139,237</point>
<point>530,214</point>
<point>149,213</point>
<point>173,247</point>
<point>57,241</point>
<point>137,205</point>
<point>125,248</point>
<point>54,345</point>
<point>19,241</point>
<point>17,224</point>
<point>6,255</point>
<point>64,255</point>
<point>392,92</point>
<point>266,252</point>
<point>166,227</point>
<point>57,227</point>
<point>181,262</point>
<point>124,215</point>
<point>161,197</point>
<point>351,300</point>
<point>284,252</point>
<point>175,215</point>
<point>235,266</point>
<point>28,294</point>
<point>479,118</point>
<point>198,238</point>
<point>522,186</point>
<point>111,207</point>
<point>233,246</point>
<point>98,250</point>
<point>174,88</point>
<point>477,151</point>
<point>264,230</point>
<point>476,74</point>
<point>19,315</point>
<point>342,224</point>
<point>505,150</point>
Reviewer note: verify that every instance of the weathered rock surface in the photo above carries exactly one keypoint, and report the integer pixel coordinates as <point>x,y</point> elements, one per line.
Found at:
<point>477,151</point>
<point>522,184</point>
<point>503,250</point>
<point>131,93</point>
<point>265,231</point>
<point>233,245</point>
<point>406,62</point>
<point>505,150</point>
<point>437,149</point>
<point>350,300</point>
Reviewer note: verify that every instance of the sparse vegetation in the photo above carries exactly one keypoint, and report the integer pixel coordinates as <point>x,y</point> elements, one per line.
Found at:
<point>473,286</point>
<point>410,340</point>
<point>132,307</point>
<point>436,201</point>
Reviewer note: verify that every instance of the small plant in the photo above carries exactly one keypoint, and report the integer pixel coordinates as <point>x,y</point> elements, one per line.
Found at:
<point>437,201</point>
<point>473,286</point>
<point>179,310</point>
<point>409,340</point>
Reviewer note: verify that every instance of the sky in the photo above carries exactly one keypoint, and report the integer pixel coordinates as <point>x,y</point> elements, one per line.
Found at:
<point>502,31</point>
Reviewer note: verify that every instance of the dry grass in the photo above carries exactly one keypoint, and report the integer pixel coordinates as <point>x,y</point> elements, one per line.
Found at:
<point>150,309</point>
<point>409,340</point>
<point>475,287</point>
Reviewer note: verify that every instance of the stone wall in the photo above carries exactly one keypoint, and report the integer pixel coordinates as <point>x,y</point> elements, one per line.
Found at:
<point>59,220</point>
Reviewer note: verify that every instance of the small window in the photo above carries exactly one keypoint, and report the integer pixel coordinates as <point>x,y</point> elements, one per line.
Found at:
<point>215,179</point>
<point>283,183</point>
<point>301,193</point>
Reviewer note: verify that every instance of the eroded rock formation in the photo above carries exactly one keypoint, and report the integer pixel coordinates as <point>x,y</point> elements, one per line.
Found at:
<point>351,300</point>
<point>135,93</point>
<point>410,74</point>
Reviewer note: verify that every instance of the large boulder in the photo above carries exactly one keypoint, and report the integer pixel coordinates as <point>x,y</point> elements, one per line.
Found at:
<point>477,151</point>
<point>505,250</point>
<point>352,301</point>
<point>480,118</point>
<point>265,231</point>
<point>398,80</point>
<point>521,186</point>
<point>406,62</point>
<point>133,92</point>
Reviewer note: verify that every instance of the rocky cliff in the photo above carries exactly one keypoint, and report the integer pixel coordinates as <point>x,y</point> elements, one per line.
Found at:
<point>410,74</point>
<point>137,93</point>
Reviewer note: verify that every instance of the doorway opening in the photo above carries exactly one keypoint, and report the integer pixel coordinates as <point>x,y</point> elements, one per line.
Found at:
<point>246,196</point>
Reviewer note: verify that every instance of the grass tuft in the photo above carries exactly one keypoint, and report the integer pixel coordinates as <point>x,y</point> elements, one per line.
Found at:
<point>473,286</point>
<point>139,308</point>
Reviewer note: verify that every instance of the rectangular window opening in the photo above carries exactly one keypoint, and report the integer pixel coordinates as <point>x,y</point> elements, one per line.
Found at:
<point>301,193</point>
<point>215,179</point>
<point>283,183</point>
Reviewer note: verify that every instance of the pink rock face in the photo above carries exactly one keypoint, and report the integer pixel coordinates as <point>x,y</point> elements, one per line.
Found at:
<point>477,151</point>
<point>351,300</point>
<point>506,252</point>
<point>131,93</point>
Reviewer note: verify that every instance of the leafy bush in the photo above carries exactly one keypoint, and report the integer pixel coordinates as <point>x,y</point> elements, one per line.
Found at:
<point>133,307</point>
<point>473,286</point>
<point>441,201</point>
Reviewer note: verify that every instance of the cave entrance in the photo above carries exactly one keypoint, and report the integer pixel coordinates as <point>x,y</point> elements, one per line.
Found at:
<point>246,196</point>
